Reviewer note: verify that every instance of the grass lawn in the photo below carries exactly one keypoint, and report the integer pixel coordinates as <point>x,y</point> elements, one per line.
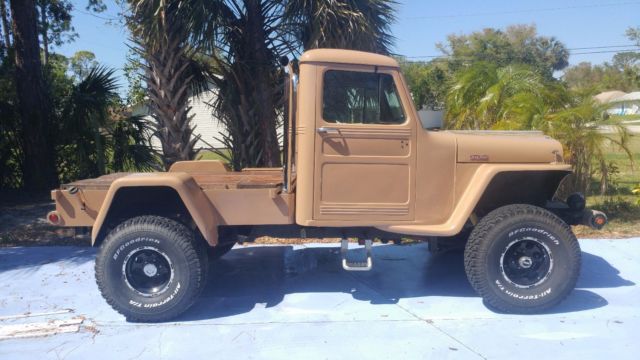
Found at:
<point>210,155</point>
<point>616,119</point>
<point>629,172</point>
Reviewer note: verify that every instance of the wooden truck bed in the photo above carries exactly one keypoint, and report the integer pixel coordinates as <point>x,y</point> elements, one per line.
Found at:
<point>256,179</point>
<point>251,196</point>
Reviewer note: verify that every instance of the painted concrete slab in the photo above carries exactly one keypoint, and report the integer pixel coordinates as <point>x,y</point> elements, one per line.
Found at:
<point>273,302</point>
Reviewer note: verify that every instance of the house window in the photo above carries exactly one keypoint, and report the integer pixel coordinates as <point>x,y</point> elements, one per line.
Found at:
<point>351,97</point>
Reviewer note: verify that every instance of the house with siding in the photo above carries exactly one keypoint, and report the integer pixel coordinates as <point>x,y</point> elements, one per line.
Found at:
<point>203,122</point>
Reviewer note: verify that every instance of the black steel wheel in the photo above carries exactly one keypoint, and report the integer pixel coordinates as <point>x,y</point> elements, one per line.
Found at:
<point>522,259</point>
<point>151,268</point>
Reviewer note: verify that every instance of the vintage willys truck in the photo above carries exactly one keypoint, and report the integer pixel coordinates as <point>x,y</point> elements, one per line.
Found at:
<point>359,163</point>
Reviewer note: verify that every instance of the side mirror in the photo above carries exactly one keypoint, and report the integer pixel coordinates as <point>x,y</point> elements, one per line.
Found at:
<point>431,120</point>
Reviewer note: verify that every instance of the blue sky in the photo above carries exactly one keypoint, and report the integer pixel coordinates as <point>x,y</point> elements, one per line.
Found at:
<point>421,24</point>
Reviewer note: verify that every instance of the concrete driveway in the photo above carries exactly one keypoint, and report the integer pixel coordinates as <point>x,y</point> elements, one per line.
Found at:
<point>296,302</point>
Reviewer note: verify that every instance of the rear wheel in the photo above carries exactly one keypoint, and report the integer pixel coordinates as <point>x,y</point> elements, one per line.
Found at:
<point>522,259</point>
<point>151,268</point>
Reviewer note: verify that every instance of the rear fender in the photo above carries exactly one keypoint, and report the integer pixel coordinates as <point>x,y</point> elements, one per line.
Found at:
<point>202,212</point>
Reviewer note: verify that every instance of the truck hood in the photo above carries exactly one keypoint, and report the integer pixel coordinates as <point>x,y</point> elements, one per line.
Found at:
<point>507,147</point>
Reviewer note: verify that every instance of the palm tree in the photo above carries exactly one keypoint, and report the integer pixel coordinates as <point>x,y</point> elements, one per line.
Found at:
<point>253,35</point>
<point>347,24</point>
<point>241,41</point>
<point>95,137</point>
<point>578,127</point>
<point>162,30</point>
<point>480,94</point>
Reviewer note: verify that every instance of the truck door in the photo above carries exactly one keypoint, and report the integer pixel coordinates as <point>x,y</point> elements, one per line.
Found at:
<point>364,146</point>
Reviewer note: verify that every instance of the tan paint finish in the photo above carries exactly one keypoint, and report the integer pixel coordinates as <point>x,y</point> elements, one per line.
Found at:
<point>202,211</point>
<point>399,178</point>
<point>506,148</point>
<point>200,166</point>
<point>252,207</point>
<point>468,200</point>
<point>80,209</point>
<point>349,57</point>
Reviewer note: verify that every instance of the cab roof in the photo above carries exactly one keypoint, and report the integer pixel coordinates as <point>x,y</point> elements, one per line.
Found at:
<point>341,56</point>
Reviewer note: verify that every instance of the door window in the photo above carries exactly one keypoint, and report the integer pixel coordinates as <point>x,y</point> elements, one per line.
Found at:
<point>351,97</point>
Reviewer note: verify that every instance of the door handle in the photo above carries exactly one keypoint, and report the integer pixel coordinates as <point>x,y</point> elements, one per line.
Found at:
<point>328,130</point>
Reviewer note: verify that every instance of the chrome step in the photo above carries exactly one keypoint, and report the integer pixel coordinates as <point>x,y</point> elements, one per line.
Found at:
<point>356,265</point>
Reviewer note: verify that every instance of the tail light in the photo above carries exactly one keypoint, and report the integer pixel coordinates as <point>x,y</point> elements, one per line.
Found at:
<point>53,218</point>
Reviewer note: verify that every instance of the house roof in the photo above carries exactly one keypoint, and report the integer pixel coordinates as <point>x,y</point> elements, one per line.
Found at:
<point>608,96</point>
<point>632,96</point>
<point>347,57</point>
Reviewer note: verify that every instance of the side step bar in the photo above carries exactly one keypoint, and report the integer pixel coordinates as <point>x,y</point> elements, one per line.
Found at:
<point>354,265</point>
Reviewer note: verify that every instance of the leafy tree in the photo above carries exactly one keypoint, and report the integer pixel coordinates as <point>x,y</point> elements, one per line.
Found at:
<point>54,24</point>
<point>428,83</point>
<point>518,44</point>
<point>82,62</point>
<point>597,78</point>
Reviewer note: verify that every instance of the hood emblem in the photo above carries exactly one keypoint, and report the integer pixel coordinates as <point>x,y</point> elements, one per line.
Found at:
<point>478,157</point>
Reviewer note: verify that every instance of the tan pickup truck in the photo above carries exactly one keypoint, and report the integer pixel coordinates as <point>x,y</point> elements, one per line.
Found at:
<point>360,162</point>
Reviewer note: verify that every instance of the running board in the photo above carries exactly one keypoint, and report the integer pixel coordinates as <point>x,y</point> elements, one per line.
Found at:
<point>355,265</point>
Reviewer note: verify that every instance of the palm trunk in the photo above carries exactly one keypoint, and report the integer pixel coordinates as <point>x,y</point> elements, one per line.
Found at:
<point>262,75</point>
<point>39,172</point>
<point>168,93</point>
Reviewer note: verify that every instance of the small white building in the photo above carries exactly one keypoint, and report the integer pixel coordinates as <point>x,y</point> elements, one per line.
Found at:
<point>203,122</point>
<point>628,104</point>
<point>620,103</point>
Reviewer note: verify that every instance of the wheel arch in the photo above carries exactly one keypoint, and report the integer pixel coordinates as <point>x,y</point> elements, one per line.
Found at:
<point>531,187</point>
<point>164,194</point>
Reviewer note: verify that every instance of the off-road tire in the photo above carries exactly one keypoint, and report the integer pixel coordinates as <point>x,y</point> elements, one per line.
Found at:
<point>165,239</point>
<point>498,237</point>
<point>218,251</point>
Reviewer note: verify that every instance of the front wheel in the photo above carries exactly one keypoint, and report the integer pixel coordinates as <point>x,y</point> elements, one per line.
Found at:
<point>151,268</point>
<point>522,259</point>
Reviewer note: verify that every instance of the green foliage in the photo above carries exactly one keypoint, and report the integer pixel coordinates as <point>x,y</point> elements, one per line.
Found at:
<point>55,21</point>
<point>484,94</point>
<point>94,137</point>
<point>346,24</point>
<point>81,63</point>
<point>428,83</point>
<point>617,207</point>
<point>586,147</point>
<point>592,79</point>
<point>517,44</point>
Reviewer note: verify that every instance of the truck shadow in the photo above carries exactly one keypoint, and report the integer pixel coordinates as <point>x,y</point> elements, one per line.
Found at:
<point>249,276</point>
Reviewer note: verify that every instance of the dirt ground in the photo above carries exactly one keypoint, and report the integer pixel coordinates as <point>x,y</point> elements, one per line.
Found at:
<point>23,224</point>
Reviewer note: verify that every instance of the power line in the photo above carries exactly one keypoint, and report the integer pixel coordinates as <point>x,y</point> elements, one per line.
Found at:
<point>510,12</point>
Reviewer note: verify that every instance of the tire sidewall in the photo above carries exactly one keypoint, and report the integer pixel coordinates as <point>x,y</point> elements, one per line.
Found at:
<point>114,256</point>
<point>552,286</point>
